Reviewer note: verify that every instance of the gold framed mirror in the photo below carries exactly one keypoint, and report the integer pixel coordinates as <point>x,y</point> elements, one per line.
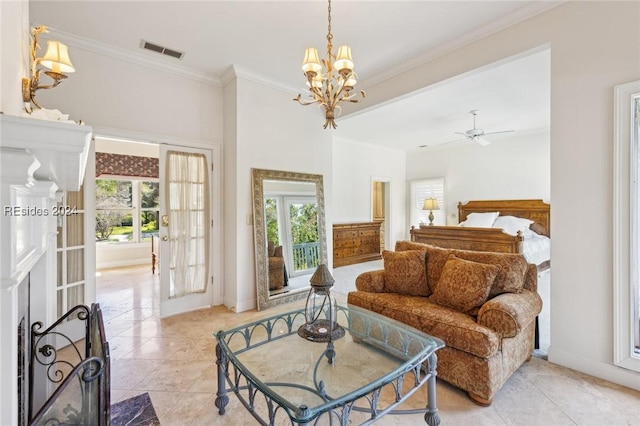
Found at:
<point>289,234</point>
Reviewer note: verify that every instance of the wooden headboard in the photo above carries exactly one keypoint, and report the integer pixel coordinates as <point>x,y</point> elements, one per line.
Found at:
<point>536,210</point>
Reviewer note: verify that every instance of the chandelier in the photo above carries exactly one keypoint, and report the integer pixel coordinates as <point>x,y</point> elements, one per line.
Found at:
<point>329,80</point>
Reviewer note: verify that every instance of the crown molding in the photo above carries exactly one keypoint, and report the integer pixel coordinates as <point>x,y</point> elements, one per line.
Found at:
<point>527,12</point>
<point>132,57</point>
<point>236,71</point>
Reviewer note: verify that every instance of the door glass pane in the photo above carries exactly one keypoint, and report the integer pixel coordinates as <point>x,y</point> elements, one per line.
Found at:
<point>75,229</point>
<point>75,200</point>
<point>304,231</point>
<point>75,265</point>
<point>271,220</point>
<point>75,296</point>
<point>60,256</point>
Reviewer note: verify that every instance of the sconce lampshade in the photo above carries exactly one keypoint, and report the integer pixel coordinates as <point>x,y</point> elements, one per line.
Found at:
<point>57,58</point>
<point>430,204</point>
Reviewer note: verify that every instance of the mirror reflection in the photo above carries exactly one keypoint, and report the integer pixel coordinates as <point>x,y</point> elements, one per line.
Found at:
<point>289,233</point>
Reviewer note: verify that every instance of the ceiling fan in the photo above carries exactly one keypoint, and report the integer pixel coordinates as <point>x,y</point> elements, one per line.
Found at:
<point>478,135</point>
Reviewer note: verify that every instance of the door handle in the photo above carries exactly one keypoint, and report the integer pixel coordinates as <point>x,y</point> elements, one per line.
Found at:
<point>165,220</point>
<point>165,238</point>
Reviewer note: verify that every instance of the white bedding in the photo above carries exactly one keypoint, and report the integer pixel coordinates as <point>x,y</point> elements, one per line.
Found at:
<point>536,248</point>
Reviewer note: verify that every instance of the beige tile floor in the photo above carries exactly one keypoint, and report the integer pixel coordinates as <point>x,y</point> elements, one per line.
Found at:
<point>173,360</point>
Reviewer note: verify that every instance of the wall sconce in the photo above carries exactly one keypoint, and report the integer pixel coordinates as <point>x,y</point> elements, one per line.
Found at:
<point>430,204</point>
<point>56,59</point>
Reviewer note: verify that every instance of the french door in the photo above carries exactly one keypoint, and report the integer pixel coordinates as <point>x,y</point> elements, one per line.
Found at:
<point>185,228</point>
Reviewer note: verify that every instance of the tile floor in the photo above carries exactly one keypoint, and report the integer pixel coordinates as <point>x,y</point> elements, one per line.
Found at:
<point>173,360</point>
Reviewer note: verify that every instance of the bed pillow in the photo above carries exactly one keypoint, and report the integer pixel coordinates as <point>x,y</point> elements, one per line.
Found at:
<point>464,285</point>
<point>511,224</point>
<point>480,220</point>
<point>405,272</point>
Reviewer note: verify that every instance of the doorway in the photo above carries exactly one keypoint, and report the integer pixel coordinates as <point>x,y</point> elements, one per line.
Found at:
<point>380,209</point>
<point>138,232</point>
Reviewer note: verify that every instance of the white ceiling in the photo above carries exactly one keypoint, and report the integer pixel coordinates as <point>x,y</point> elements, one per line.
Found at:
<point>268,38</point>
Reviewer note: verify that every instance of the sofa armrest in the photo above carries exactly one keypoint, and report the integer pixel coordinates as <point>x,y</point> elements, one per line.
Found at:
<point>371,281</point>
<point>509,313</point>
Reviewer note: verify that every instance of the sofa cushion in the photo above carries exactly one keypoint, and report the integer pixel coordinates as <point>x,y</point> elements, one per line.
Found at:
<point>405,272</point>
<point>464,285</point>
<point>403,245</point>
<point>458,330</point>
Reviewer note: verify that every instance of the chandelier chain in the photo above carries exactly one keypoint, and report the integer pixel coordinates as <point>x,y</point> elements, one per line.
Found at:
<point>329,35</point>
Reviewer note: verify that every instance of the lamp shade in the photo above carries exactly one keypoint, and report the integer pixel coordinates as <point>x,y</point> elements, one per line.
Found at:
<point>430,204</point>
<point>56,58</point>
<point>311,62</point>
<point>343,59</point>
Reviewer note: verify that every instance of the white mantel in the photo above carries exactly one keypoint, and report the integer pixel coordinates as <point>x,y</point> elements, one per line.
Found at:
<point>38,159</point>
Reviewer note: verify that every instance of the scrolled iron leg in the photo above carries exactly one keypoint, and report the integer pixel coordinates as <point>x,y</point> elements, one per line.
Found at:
<point>222,398</point>
<point>431,416</point>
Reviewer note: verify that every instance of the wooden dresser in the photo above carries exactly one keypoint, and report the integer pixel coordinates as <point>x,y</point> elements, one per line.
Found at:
<point>355,242</point>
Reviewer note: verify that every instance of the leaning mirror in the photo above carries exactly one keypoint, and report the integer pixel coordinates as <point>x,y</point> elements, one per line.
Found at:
<point>289,234</point>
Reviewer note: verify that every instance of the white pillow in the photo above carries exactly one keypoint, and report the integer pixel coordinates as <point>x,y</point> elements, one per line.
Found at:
<point>480,220</point>
<point>511,224</point>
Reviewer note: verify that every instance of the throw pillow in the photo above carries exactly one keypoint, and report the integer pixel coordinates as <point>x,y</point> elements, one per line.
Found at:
<point>480,220</point>
<point>511,277</point>
<point>436,259</point>
<point>405,272</point>
<point>464,285</point>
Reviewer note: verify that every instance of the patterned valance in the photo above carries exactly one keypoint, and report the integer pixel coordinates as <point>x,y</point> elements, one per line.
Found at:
<point>126,165</point>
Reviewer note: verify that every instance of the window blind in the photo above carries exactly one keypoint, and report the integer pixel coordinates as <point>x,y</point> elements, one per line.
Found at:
<point>421,190</point>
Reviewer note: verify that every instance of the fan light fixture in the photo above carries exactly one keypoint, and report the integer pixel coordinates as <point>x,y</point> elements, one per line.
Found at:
<point>56,59</point>
<point>478,135</point>
<point>329,80</point>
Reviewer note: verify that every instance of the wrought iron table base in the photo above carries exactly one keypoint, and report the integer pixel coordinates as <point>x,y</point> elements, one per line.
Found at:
<point>341,411</point>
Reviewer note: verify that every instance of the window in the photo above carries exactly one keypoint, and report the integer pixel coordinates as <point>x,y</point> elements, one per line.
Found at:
<point>126,210</point>
<point>626,226</point>
<point>427,188</point>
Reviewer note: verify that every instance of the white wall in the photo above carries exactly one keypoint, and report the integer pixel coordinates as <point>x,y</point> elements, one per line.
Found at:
<point>594,46</point>
<point>510,168</point>
<point>264,129</point>
<point>107,92</point>
<point>14,48</point>
<point>354,167</point>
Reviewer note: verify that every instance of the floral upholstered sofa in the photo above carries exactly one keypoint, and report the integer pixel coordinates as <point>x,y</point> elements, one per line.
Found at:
<point>482,304</point>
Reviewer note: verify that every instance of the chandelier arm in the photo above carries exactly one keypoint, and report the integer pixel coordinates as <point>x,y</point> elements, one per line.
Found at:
<point>304,102</point>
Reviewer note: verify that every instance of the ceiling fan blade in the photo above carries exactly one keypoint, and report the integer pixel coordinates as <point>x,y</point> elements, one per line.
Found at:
<point>482,140</point>
<point>501,131</point>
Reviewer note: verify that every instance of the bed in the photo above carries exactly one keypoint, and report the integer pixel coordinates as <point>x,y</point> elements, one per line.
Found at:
<point>534,242</point>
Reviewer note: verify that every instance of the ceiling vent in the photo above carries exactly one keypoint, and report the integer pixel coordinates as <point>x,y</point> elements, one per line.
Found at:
<point>163,50</point>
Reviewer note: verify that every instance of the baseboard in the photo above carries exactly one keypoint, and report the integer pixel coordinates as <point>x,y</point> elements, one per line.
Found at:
<point>245,305</point>
<point>609,372</point>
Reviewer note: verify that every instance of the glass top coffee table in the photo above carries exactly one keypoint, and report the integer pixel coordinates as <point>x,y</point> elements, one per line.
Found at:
<point>281,378</point>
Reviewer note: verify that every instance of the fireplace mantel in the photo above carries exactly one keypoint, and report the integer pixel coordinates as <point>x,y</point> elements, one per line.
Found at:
<point>60,148</point>
<point>38,160</point>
